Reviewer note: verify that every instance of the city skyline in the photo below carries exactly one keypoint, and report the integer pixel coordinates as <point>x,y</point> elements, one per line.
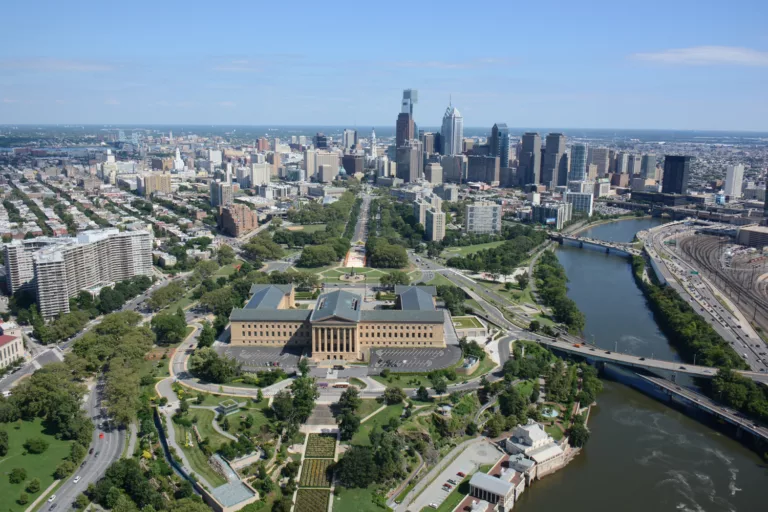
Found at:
<point>705,75</point>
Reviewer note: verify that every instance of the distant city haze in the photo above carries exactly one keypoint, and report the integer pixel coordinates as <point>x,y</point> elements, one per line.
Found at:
<point>668,65</point>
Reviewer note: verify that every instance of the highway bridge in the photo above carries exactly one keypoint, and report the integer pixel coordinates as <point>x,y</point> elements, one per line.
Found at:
<point>620,248</point>
<point>606,356</point>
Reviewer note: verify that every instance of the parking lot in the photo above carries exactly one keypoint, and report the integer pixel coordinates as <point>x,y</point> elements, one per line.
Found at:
<point>259,358</point>
<point>413,359</point>
<point>474,456</point>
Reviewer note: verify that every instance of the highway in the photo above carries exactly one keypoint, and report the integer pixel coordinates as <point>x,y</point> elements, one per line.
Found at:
<point>703,296</point>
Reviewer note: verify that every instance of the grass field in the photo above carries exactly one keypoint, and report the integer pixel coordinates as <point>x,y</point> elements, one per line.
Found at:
<point>440,280</point>
<point>405,381</point>
<point>356,500</point>
<point>196,457</point>
<point>307,228</point>
<point>472,303</point>
<point>367,407</point>
<point>316,473</point>
<point>39,466</point>
<point>526,388</point>
<point>372,275</point>
<point>228,270</point>
<point>469,249</point>
<point>382,418</point>
<point>312,500</point>
<point>466,322</point>
<point>554,431</point>
<point>204,425</point>
<point>319,445</point>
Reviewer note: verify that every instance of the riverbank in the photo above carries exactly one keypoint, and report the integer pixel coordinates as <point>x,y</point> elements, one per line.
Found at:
<point>608,221</point>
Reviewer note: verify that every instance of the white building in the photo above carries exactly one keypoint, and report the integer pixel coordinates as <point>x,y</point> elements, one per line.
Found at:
<point>532,441</point>
<point>435,225</point>
<point>11,349</point>
<point>734,176</point>
<point>482,217</point>
<point>452,132</point>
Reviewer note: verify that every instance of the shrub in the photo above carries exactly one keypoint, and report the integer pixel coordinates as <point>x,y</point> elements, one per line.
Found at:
<point>36,445</point>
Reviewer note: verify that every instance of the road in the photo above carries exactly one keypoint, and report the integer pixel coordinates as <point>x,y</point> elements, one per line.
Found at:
<point>105,452</point>
<point>683,276</point>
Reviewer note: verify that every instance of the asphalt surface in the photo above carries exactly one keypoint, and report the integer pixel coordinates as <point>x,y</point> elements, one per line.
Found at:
<point>413,359</point>
<point>702,295</point>
<point>106,450</point>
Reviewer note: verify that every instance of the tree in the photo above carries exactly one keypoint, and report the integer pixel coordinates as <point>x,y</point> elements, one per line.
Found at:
<point>82,501</point>
<point>207,335</point>
<point>395,277</point>
<point>304,391</point>
<point>534,326</point>
<point>422,394</point>
<point>471,429</point>
<point>17,475</point>
<point>304,367</point>
<point>394,395</point>
<point>210,366</point>
<point>170,328</point>
<point>522,280</point>
<point>440,385</point>
<point>348,425</point>
<point>63,470</point>
<point>225,255</point>
<point>36,445</point>
<point>33,486</point>
<point>23,499</point>
<point>282,405</point>
<point>110,300</point>
<point>578,435</point>
<point>358,468</point>
<point>3,443</point>
<point>317,256</point>
<point>350,400</point>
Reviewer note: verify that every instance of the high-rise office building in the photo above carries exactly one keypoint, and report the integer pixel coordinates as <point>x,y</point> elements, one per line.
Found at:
<point>374,150</point>
<point>634,165</point>
<point>622,162</point>
<point>435,225</point>
<point>482,217</point>
<point>409,161</point>
<point>483,168</point>
<point>353,164</point>
<point>428,141</point>
<point>433,173</point>
<point>326,173</point>
<point>420,207</point>
<point>581,201</point>
<point>500,143</point>
<point>349,139</point>
<point>553,171</point>
<point>648,167</point>
<point>529,168</point>
<point>322,141</point>
<point>153,183</point>
<point>452,132</point>
<point>578,161</point>
<point>91,260</point>
<point>454,168</point>
<point>676,172</point>
<point>221,193</point>
<point>404,129</point>
<point>310,162</point>
<point>601,158</point>
<point>734,176</point>
<point>410,98</point>
<point>262,144</point>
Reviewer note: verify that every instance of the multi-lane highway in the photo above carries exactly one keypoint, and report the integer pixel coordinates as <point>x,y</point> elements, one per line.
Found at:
<point>728,321</point>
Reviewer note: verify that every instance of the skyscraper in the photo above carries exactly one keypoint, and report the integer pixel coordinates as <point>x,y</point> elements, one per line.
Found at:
<point>551,173</point>
<point>648,167</point>
<point>500,143</point>
<point>452,132</point>
<point>374,149</point>
<point>601,158</point>
<point>675,177</point>
<point>622,162</point>
<point>483,168</point>
<point>409,161</point>
<point>349,139</point>
<point>734,176</point>
<point>428,141</point>
<point>404,129</point>
<point>221,193</point>
<point>578,162</point>
<point>634,164</point>
<point>410,98</point>
<point>529,168</point>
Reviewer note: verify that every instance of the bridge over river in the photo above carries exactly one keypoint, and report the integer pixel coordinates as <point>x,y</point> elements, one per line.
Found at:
<point>620,248</point>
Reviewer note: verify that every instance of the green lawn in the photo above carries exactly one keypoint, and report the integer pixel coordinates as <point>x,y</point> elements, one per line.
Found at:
<point>367,407</point>
<point>555,432</point>
<point>484,367</point>
<point>440,280</point>
<point>228,270</point>
<point>469,249</point>
<point>405,381</point>
<point>37,466</point>
<point>545,320</point>
<point>307,228</point>
<point>197,458</point>
<point>204,425</point>
<point>382,418</point>
<point>455,497</point>
<point>466,322</point>
<point>356,500</point>
<point>182,303</point>
<point>525,388</point>
<point>472,303</point>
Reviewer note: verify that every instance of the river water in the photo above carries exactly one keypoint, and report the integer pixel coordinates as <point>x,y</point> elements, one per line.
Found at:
<point>643,456</point>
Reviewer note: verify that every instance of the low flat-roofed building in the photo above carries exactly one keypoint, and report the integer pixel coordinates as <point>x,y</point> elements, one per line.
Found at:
<point>493,490</point>
<point>753,236</point>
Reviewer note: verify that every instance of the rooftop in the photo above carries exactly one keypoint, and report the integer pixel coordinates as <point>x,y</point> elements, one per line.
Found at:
<point>6,339</point>
<point>268,296</point>
<point>491,484</point>
<point>340,304</point>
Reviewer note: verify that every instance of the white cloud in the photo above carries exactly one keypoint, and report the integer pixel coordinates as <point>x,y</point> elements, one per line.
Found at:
<point>111,101</point>
<point>226,104</point>
<point>706,56</point>
<point>9,100</point>
<point>55,65</point>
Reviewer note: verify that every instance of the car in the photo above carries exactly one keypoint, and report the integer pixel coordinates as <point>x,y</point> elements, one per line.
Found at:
<point>642,359</point>
<point>433,505</point>
<point>50,500</point>
<point>447,486</point>
<point>452,482</point>
<point>461,474</point>
<point>90,452</point>
<point>682,367</point>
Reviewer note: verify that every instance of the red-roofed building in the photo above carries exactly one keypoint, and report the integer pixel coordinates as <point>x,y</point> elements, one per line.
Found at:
<point>11,349</point>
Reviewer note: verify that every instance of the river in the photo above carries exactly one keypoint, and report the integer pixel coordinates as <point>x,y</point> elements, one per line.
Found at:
<point>643,456</point>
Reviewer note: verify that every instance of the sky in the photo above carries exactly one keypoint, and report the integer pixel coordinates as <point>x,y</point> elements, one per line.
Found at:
<point>673,64</point>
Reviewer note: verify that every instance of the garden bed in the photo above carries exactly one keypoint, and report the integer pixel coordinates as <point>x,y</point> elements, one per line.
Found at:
<point>320,446</point>
<point>316,473</point>
<point>312,500</point>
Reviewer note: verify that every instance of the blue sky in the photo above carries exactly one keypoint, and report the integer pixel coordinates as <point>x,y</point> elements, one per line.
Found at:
<point>596,64</point>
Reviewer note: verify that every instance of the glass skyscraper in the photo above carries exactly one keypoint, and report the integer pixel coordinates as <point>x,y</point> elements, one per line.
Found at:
<point>578,162</point>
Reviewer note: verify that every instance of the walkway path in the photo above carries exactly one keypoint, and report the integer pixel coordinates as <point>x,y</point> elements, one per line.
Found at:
<point>132,440</point>
<point>215,423</point>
